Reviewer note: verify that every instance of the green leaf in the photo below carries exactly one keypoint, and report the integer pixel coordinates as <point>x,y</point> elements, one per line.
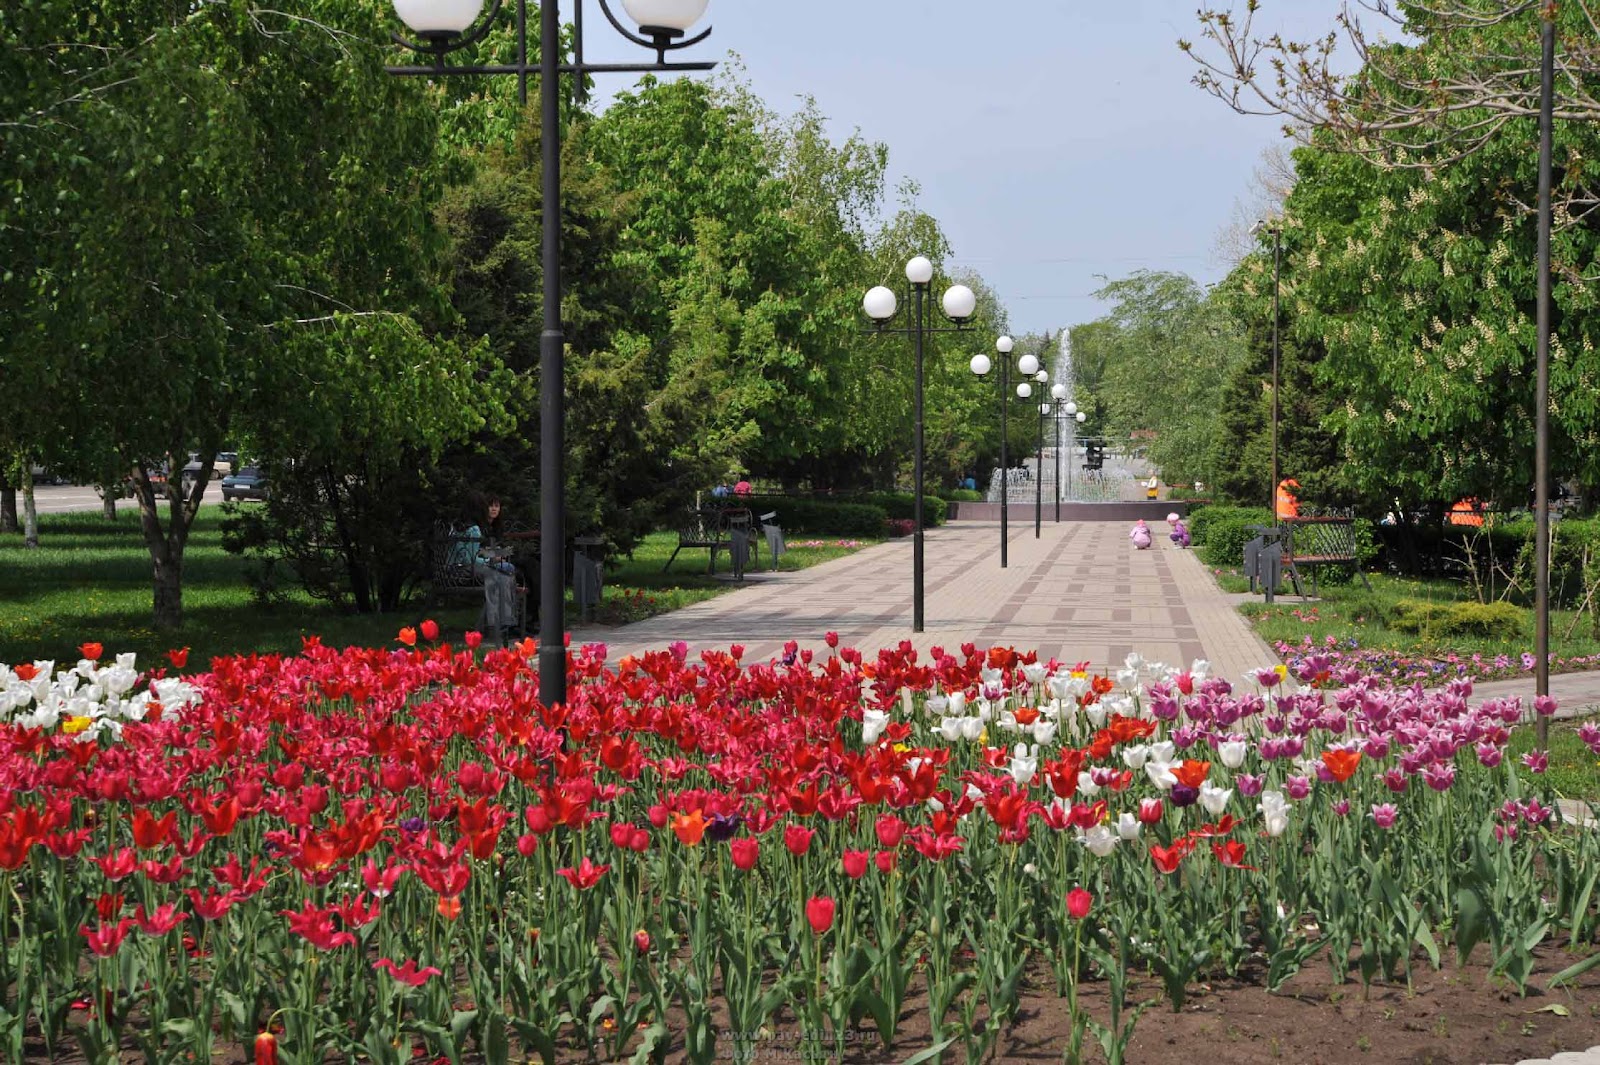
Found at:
<point>536,1039</point>
<point>1572,972</point>
<point>930,1054</point>
<point>1555,1007</point>
<point>1472,922</point>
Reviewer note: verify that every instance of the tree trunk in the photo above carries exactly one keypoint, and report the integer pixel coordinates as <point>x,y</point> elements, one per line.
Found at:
<point>166,545</point>
<point>166,586</point>
<point>108,503</point>
<point>30,515</point>
<point>8,506</point>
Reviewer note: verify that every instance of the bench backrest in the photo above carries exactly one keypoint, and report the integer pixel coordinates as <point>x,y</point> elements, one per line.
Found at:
<point>451,552</point>
<point>1333,539</point>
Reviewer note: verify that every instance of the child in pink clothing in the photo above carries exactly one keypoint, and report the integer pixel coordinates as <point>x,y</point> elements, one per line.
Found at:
<point>1140,535</point>
<point>1180,533</point>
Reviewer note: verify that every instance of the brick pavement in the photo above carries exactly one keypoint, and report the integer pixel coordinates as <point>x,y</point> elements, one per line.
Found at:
<point>1078,593</point>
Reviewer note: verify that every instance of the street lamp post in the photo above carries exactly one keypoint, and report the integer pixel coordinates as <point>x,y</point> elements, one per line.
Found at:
<point>1541,391</point>
<point>881,305</point>
<point>445,26</point>
<point>1043,377</point>
<point>1058,392</point>
<point>1028,365</point>
<point>1277,260</point>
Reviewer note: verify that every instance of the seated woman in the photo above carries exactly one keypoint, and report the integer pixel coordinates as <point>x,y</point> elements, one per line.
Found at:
<point>499,580</point>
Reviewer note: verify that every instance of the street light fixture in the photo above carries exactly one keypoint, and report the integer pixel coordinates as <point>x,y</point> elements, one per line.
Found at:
<point>1043,377</point>
<point>959,303</point>
<point>446,26</point>
<point>1028,365</point>
<point>1263,226</point>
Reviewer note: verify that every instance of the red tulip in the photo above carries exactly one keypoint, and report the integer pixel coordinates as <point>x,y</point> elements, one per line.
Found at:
<point>1078,903</point>
<point>831,639</point>
<point>1149,811</point>
<point>407,974</point>
<point>745,851</point>
<point>886,860</point>
<point>472,640</point>
<point>890,831</point>
<point>641,941</point>
<point>179,658</point>
<point>449,908</point>
<point>819,911</point>
<point>855,864</point>
<point>1168,859</point>
<point>798,839</point>
<point>106,939</point>
<point>585,876</point>
<point>1231,854</point>
<point>91,651</point>
<point>25,671</point>
<point>266,1049</point>
<point>150,832</point>
<point>408,636</point>
<point>430,632</point>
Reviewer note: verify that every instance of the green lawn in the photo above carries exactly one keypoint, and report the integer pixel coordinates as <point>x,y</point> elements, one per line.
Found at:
<point>1574,772</point>
<point>1351,612</point>
<point>90,580</point>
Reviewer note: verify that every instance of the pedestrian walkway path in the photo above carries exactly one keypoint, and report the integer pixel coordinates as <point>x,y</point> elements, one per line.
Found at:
<point>1078,593</point>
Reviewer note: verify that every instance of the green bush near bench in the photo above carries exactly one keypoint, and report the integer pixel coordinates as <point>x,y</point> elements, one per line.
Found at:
<point>817,517</point>
<point>1221,533</point>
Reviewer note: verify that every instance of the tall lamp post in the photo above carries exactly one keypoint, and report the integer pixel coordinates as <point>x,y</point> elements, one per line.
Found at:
<point>981,365</point>
<point>1043,377</point>
<point>445,26</point>
<point>1541,391</point>
<point>1058,392</point>
<point>881,304</point>
<point>1277,260</point>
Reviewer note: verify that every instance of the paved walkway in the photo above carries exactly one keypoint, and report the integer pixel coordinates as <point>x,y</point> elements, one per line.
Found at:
<point>1078,593</point>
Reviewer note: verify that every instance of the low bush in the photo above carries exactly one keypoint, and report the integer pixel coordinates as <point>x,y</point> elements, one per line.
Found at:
<point>1492,621</point>
<point>1222,532</point>
<point>815,517</point>
<point>962,495</point>
<point>900,506</point>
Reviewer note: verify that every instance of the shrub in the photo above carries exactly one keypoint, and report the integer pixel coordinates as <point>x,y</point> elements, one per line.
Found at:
<point>963,495</point>
<point>900,506</point>
<point>1222,532</point>
<point>1490,621</point>
<point>813,517</point>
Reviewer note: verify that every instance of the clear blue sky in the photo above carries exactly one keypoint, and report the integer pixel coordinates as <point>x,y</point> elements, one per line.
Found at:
<point>1053,139</point>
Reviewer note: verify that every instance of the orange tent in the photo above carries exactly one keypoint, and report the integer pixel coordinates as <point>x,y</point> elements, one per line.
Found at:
<point>1288,502</point>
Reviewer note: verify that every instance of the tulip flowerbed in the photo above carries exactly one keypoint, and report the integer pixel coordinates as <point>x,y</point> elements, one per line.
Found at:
<point>366,854</point>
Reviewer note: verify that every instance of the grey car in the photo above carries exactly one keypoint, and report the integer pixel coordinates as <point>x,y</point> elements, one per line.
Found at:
<point>250,482</point>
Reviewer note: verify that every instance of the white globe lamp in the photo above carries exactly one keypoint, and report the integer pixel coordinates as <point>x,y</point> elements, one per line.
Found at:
<point>438,18</point>
<point>981,365</point>
<point>959,303</point>
<point>880,304</point>
<point>665,18</point>
<point>1029,365</point>
<point>1004,345</point>
<point>919,271</point>
<point>1024,390</point>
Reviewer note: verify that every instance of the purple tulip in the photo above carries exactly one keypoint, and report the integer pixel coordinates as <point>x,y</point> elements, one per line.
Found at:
<point>1544,705</point>
<point>1249,784</point>
<point>1395,780</point>
<point>1440,775</point>
<point>1536,761</point>
<point>1342,808</point>
<point>1489,755</point>
<point>1383,814</point>
<point>1297,787</point>
<point>1184,795</point>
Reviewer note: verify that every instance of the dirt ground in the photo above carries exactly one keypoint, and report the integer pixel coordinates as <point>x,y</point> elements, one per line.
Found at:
<point>1452,1017</point>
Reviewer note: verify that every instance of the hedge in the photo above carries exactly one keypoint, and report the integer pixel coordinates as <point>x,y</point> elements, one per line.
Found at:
<point>902,505</point>
<point>816,517</point>
<point>1494,621</point>
<point>1221,532</point>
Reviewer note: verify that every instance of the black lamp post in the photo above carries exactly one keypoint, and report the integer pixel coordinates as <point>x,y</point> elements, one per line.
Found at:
<point>1059,392</point>
<point>1277,260</point>
<point>445,26</point>
<point>882,305</point>
<point>1541,392</point>
<point>1028,365</point>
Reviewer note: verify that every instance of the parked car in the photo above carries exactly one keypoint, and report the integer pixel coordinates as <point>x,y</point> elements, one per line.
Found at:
<point>221,466</point>
<point>247,483</point>
<point>41,475</point>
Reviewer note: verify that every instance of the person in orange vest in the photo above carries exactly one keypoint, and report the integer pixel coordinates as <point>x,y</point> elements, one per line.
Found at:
<point>1467,512</point>
<point>1288,503</point>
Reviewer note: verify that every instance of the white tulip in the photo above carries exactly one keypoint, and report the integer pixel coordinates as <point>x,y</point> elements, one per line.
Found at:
<point>971,729</point>
<point>1134,757</point>
<point>1024,763</point>
<point>1087,786</point>
<point>1100,840</point>
<point>873,722</point>
<point>1214,799</point>
<point>1044,732</point>
<point>1160,774</point>
<point>950,729</point>
<point>1275,811</point>
<point>1232,752</point>
<point>1128,826</point>
<point>958,703</point>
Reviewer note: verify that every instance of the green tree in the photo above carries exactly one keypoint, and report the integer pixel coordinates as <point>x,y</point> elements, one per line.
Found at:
<point>224,242</point>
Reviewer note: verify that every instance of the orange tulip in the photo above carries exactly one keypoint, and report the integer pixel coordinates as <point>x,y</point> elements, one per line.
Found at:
<point>689,828</point>
<point>408,636</point>
<point>1191,773</point>
<point>1342,764</point>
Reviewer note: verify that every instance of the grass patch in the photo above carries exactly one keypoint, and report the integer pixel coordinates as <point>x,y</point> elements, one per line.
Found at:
<point>1574,771</point>
<point>1379,619</point>
<point>90,580</point>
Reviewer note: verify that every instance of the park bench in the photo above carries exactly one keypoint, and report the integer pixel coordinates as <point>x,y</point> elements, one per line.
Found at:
<point>1314,542</point>
<point>451,576</point>
<point>717,529</point>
